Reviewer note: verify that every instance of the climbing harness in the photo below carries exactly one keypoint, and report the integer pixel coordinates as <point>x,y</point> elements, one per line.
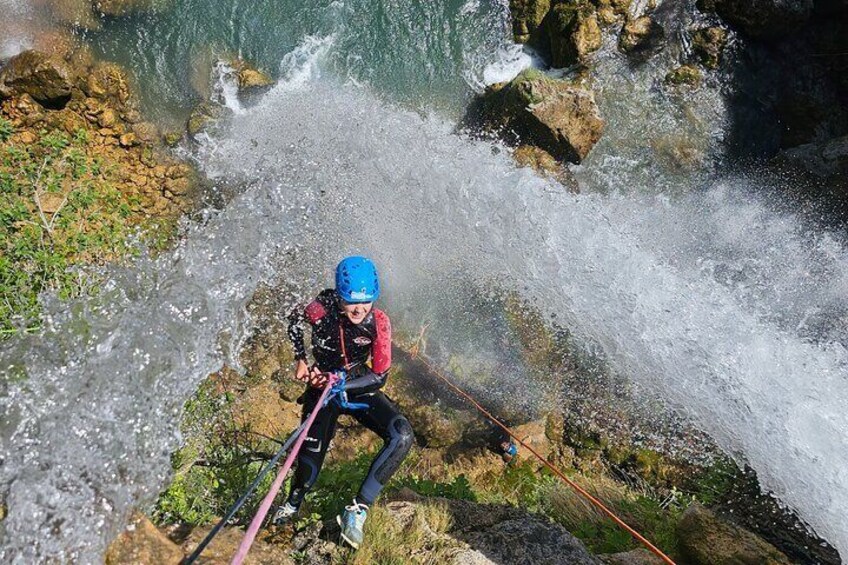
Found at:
<point>600,505</point>
<point>256,523</point>
<point>339,394</point>
<point>240,502</point>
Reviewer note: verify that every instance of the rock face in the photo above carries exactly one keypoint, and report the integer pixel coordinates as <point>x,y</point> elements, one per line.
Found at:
<point>824,159</point>
<point>762,18</point>
<point>142,543</point>
<point>641,37</point>
<point>508,535</point>
<point>708,43</point>
<point>635,557</point>
<point>573,32</point>
<point>704,539</point>
<point>527,16</point>
<point>557,116</point>
<point>48,80</point>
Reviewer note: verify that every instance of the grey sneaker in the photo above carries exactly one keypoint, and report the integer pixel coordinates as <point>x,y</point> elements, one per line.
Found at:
<point>284,514</point>
<point>352,523</point>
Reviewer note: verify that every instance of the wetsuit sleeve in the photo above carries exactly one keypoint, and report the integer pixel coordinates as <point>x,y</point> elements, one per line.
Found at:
<point>381,358</point>
<point>297,323</point>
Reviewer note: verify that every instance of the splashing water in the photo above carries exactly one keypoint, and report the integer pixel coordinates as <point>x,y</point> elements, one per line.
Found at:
<point>746,336</point>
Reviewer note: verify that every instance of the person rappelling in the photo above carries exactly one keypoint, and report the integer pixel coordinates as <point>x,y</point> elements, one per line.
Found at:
<point>352,340</point>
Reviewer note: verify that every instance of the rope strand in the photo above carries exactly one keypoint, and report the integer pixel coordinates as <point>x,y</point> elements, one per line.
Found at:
<point>600,505</point>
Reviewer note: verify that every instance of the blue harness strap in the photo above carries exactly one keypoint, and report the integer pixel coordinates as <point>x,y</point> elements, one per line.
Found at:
<point>339,394</point>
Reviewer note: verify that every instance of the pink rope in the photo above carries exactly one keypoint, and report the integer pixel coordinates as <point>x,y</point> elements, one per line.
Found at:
<point>255,524</point>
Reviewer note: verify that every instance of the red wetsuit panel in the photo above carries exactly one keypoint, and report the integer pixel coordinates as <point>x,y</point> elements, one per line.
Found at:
<point>315,311</point>
<point>381,352</point>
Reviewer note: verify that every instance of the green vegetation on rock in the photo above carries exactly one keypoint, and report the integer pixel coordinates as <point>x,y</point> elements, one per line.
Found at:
<point>59,210</point>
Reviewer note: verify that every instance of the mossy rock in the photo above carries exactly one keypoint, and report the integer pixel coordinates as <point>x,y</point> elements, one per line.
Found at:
<point>48,80</point>
<point>705,539</point>
<point>527,16</point>
<point>684,75</point>
<point>573,32</point>
<point>708,44</point>
<point>534,109</point>
<point>641,37</point>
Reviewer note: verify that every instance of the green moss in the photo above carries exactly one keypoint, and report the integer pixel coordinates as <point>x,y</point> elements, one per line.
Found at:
<point>715,482</point>
<point>685,74</point>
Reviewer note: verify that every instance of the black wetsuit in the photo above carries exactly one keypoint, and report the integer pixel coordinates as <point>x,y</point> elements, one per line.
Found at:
<point>339,344</point>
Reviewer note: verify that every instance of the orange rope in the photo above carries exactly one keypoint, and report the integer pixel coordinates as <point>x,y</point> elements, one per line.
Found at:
<point>556,471</point>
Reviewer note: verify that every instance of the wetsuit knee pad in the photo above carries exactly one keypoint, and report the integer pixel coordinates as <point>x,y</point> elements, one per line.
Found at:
<point>402,430</point>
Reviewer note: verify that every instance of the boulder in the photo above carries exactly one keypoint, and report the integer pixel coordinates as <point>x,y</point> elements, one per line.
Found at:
<point>704,539</point>
<point>557,116</point>
<point>573,32</point>
<point>708,43</point>
<point>203,116</point>
<point>76,13</point>
<point>109,82</point>
<point>222,548</point>
<point>544,164</point>
<point>509,535</point>
<point>635,557</point>
<point>688,75</point>
<point>142,543</point>
<point>527,16</point>
<point>642,37</point>
<point>762,18</point>
<point>47,79</point>
<point>824,159</point>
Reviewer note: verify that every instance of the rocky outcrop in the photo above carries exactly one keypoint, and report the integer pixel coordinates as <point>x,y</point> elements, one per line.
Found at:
<point>635,557</point>
<point>69,92</point>
<point>544,164</point>
<point>572,32</point>
<point>47,79</point>
<point>825,159</point>
<point>704,539</point>
<point>762,18</point>
<point>708,44</point>
<point>557,116</point>
<point>641,37</point>
<point>527,16</point>
<point>141,542</point>
<point>506,534</point>
<point>688,75</point>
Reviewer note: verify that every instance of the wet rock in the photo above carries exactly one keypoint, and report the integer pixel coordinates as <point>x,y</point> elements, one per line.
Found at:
<point>824,159</point>
<point>77,13</point>
<point>222,548</point>
<point>557,116</point>
<point>109,82</point>
<point>203,116</point>
<point>708,43</point>
<point>434,426</point>
<point>146,132</point>
<point>543,163</point>
<point>47,79</point>
<point>142,542</point>
<point>573,32</point>
<point>635,557</point>
<point>761,18</point>
<point>704,539</point>
<point>117,8</point>
<point>249,78</point>
<point>688,75</point>
<point>128,140</point>
<point>611,11</point>
<point>527,16</point>
<point>641,37</point>
<point>509,535</point>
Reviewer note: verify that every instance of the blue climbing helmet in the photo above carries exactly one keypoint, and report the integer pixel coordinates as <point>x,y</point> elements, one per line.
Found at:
<point>356,280</point>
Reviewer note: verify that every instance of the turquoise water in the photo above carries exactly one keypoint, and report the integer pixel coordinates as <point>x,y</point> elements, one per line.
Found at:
<point>425,55</point>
